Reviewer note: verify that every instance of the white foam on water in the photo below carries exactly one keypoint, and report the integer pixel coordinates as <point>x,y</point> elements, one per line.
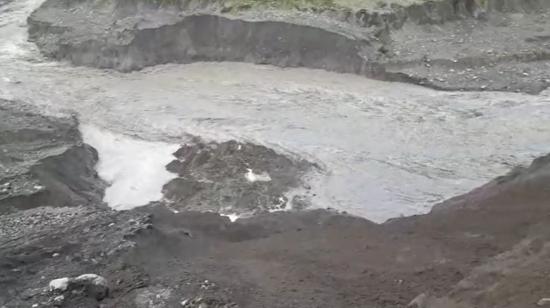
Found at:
<point>233,217</point>
<point>134,168</point>
<point>13,28</point>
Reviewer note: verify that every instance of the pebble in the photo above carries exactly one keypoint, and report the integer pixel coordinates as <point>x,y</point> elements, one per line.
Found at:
<point>59,284</point>
<point>58,300</point>
<point>545,301</point>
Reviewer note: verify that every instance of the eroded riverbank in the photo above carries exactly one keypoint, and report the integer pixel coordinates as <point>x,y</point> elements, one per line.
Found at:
<point>501,45</point>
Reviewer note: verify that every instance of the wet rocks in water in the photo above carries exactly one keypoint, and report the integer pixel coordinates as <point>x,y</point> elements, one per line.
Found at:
<point>232,177</point>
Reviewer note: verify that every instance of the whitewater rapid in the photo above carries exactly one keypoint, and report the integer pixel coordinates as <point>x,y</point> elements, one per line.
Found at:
<point>386,149</point>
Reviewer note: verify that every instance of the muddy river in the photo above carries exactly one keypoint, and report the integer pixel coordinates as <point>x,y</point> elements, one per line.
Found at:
<point>386,149</point>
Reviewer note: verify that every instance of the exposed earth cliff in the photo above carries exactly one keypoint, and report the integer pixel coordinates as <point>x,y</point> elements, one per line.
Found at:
<point>445,44</point>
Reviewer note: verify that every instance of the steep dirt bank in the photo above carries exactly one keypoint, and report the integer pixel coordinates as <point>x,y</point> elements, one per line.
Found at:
<point>213,38</point>
<point>487,248</point>
<point>43,161</point>
<point>52,219</point>
<point>443,44</point>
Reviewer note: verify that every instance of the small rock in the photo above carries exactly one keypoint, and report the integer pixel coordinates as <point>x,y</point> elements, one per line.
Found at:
<point>58,300</point>
<point>60,284</point>
<point>545,301</point>
<point>419,302</point>
<point>95,285</point>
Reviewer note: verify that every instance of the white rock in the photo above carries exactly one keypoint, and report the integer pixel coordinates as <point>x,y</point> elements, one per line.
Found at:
<point>544,301</point>
<point>419,302</point>
<point>254,177</point>
<point>59,284</point>
<point>92,278</point>
<point>59,299</point>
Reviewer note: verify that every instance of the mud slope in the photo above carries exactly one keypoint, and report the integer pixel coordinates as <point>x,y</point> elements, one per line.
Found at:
<point>443,44</point>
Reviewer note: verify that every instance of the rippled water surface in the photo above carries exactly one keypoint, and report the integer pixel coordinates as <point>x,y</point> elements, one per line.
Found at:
<point>387,149</point>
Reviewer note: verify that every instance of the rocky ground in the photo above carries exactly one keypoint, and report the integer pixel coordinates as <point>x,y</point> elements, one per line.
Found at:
<point>241,178</point>
<point>445,44</point>
<point>487,248</point>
